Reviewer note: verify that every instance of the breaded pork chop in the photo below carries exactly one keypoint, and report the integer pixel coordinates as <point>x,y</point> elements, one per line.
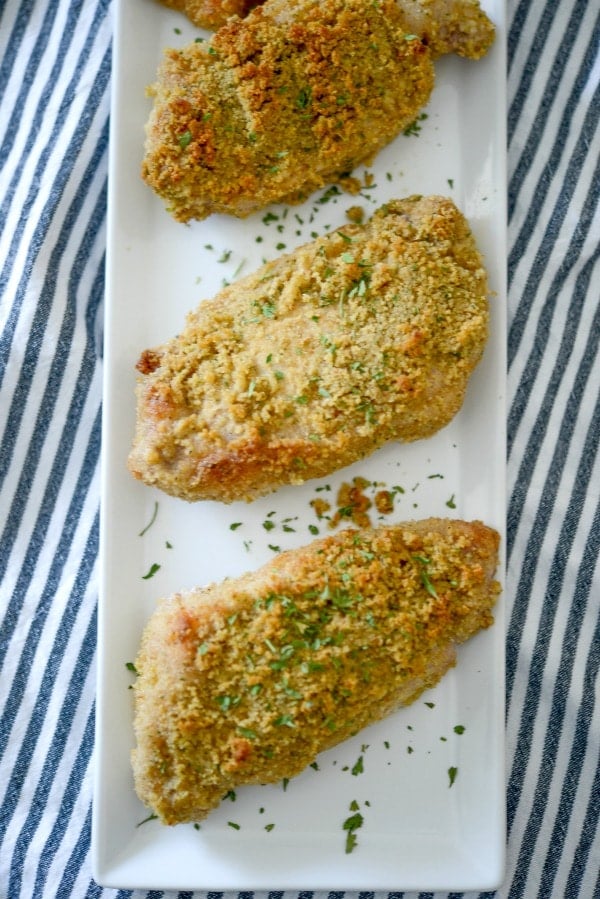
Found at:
<point>280,103</point>
<point>367,335</point>
<point>211,14</point>
<point>449,26</point>
<point>451,23</point>
<point>246,681</point>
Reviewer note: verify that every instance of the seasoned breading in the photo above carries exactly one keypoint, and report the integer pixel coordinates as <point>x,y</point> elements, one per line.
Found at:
<point>211,14</point>
<point>449,26</point>
<point>295,95</point>
<point>446,26</point>
<point>246,681</point>
<point>367,335</point>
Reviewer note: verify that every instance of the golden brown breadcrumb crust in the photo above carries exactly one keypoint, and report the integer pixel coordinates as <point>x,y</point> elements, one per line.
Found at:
<point>279,103</point>
<point>211,14</point>
<point>246,681</point>
<point>445,26</point>
<point>282,102</point>
<point>449,26</point>
<point>366,335</point>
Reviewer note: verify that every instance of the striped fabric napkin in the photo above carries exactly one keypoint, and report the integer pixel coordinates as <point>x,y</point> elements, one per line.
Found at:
<point>55,58</point>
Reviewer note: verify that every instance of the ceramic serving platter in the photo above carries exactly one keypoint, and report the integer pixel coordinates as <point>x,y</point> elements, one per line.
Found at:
<point>429,780</point>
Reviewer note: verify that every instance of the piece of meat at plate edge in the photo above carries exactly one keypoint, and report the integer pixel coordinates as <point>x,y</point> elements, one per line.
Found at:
<point>293,97</point>
<point>366,335</point>
<point>460,25</point>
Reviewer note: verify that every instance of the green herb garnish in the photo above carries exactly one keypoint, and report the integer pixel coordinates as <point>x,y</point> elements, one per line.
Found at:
<point>351,825</point>
<point>414,128</point>
<point>149,818</point>
<point>304,98</point>
<point>358,767</point>
<point>151,522</point>
<point>424,562</point>
<point>285,721</point>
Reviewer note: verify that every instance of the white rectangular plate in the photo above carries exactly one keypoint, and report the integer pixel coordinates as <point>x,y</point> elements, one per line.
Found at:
<point>419,831</point>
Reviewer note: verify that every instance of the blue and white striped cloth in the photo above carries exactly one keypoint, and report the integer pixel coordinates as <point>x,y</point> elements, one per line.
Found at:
<point>55,58</point>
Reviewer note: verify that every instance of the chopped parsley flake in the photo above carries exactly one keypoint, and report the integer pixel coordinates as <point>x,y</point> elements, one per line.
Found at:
<point>151,522</point>
<point>358,767</point>
<point>424,562</point>
<point>414,128</point>
<point>351,825</point>
<point>152,571</point>
<point>285,721</point>
<point>452,772</point>
<point>149,818</point>
<point>304,98</point>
